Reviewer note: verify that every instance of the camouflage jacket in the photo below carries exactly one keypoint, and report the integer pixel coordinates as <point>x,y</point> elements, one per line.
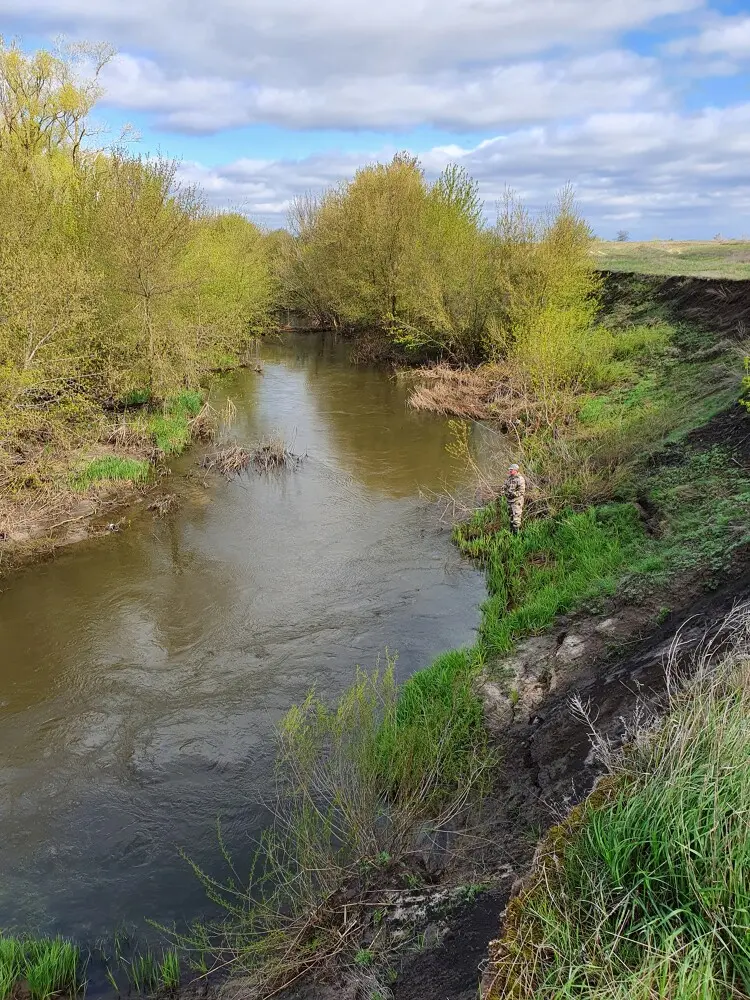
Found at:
<point>514,487</point>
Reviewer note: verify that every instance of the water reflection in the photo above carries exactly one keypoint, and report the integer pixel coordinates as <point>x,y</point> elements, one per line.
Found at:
<point>141,675</point>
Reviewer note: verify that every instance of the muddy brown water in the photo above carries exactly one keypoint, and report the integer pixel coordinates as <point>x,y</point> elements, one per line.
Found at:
<point>141,674</point>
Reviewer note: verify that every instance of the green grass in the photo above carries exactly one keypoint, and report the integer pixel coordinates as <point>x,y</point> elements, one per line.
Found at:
<point>111,468</point>
<point>143,972</point>
<point>701,504</point>
<point>136,397</point>
<point>169,970</point>
<point>646,894</point>
<point>704,505</point>
<point>436,734</point>
<point>12,961</point>
<point>710,259</point>
<point>552,566</point>
<point>48,966</point>
<point>170,430</point>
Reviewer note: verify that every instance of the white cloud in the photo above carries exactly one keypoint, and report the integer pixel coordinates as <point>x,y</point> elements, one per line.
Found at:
<point>721,37</point>
<point>486,98</point>
<point>289,42</point>
<point>665,174</point>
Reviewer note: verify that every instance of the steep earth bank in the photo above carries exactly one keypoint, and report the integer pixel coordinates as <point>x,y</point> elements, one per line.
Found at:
<point>550,764</point>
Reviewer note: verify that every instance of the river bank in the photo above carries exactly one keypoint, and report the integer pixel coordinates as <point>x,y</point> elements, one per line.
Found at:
<point>587,602</point>
<point>568,599</point>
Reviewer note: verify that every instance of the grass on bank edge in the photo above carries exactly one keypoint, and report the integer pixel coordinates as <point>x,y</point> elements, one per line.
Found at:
<point>47,966</point>
<point>644,891</point>
<point>110,468</point>
<point>170,430</point>
<point>368,789</point>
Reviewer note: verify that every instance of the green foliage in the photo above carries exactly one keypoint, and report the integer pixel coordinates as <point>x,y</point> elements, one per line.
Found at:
<point>144,972</point>
<point>549,297</point>
<point>704,503</point>
<point>12,961</point>
<point>550,567</point>
<point>170,429</point>
<point>648,893</point>
<point>48,966</point>
<point>169,970</point>
<point>187,403</point>
<point>111,467</point>
<point>360,784</point>
<point>136,397</point>
<point>116,283</point>
<point>436,730</point>
<point>392,253</point>
<point>364,957</point>
<point>51,967</point>
<point>646,341</point>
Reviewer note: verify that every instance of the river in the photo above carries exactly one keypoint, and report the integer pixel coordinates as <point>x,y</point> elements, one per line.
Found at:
<point>141,674</point>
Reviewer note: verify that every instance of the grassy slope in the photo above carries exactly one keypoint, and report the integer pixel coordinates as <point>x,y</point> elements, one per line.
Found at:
<point>625,909</point>
<point>644,892</point>
<point>710,259</point>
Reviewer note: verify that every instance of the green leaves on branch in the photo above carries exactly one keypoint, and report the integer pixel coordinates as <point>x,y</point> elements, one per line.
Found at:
<point>392,252</point>
<point>115,278</point>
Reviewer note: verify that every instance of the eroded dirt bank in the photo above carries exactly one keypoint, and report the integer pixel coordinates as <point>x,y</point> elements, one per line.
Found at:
<point>550,768</point>
<point>715,305</point>
<point>614,661</point>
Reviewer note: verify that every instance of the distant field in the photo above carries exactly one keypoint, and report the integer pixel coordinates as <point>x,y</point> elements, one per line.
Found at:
<point>712,259</point>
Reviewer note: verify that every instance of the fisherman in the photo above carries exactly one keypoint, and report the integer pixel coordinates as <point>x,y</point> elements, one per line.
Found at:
<point>514,491</point>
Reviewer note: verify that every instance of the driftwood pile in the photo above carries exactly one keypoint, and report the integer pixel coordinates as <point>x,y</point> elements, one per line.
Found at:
<point>270,455</point>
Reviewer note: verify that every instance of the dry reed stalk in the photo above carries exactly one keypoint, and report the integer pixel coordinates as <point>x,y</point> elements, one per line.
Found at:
<point>126,436</point>
<point>203,425</point>
<point>229,462</point>
<point>272,455</point>
<point>163,505</point>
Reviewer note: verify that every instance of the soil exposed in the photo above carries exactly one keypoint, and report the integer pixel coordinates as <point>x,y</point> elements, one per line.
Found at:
<point>614,662</point>
<point>552,770</point>
<point>713,305</point>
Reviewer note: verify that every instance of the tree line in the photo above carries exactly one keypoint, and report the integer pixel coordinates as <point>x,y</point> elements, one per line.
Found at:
<point>117,281</point>
<point>392,253</point>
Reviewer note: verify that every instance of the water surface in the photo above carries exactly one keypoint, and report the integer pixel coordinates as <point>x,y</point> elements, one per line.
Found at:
<point>141,674</point>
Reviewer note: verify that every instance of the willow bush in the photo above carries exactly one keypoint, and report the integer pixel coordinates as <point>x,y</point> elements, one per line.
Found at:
<point>116,280</point>
<point>391,252</point>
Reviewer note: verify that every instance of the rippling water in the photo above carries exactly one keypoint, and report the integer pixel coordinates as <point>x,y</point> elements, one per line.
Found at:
<point>141,674</point>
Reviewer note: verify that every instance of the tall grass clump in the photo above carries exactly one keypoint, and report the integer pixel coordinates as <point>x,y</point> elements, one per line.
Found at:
<point>45,966</point>
<point>11,964</point>
<point>51,967</point>
<point>367,784</point>
<point>645,892</point>
<point>111,468</point>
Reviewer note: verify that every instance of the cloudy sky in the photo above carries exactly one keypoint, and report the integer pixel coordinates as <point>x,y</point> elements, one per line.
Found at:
<point>643,104</point>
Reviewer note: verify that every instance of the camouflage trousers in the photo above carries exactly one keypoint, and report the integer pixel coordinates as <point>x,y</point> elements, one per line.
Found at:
<point>515,510</point>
